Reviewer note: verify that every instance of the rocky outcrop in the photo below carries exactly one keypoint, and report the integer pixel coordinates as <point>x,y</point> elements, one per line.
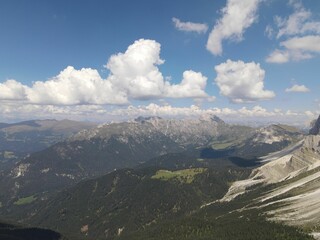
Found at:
<point>295,173</point>
<point>315,130</point>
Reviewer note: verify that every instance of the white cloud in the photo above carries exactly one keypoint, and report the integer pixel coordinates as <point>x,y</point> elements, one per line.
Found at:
<point>192,111</point>
<point>278,56</point>
<point>269,31</point>
<point>73,87</point>
<point>298,88</point>
<point>69,87</point>
<point>242,82</point>
<point>192,85</point>
<point>134,74</point>
<point>190,26</point>
<point>237,17</point>
<point>310,114</point>
<point>300,22</point>
<point>256,114</point>
<point>12,90</point>
<point>13,111</point>
<point>256,111</point>
<point>296,49</point>
<point>302,30</point>
<point>136,71</point>
<point>305,44</point>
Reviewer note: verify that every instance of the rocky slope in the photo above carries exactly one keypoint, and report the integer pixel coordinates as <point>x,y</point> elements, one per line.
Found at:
<point>315,129</point>
<point>287,186</point>
<point>269,139</point>
<point>185,132</point>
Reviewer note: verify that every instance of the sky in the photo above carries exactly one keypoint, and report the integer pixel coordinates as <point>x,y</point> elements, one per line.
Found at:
<point>246,61</point>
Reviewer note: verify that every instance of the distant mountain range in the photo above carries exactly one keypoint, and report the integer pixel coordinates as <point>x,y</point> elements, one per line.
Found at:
<point>20,139</point>
<point>167,169</point>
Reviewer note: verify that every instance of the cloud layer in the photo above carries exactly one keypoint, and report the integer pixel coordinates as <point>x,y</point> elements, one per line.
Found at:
<point>14,111</point>
<point>237,16</point>
<point>242,82</point>
<point>134,74</point>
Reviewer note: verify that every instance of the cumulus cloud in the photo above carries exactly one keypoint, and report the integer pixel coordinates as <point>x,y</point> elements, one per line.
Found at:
<point>69,87</point>
<point>302,32</point>
<point>237,16</point>
<point>134,74</point>
<point>242,82</point>
<point>136,71</point>
<point>73,87</point>
<point>190,26</point>
<point>298,88</point>
<point>12,90</point>
<point>192,85</point>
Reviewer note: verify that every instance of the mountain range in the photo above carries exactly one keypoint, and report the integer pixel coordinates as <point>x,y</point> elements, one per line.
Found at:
<point>127,180</point>
<point>17,140</point>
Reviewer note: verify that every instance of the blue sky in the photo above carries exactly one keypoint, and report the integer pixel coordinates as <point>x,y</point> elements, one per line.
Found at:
<point>251,60</point>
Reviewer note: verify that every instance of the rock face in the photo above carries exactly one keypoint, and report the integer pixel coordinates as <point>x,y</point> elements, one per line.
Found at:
<point>289,163</point>
<point>315,130</point>
<point>270,139</point>
<point>197,132</point>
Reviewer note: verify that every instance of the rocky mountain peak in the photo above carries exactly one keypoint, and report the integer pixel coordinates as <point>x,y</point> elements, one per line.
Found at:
<point>315,130</point>
<point>210,118</point>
